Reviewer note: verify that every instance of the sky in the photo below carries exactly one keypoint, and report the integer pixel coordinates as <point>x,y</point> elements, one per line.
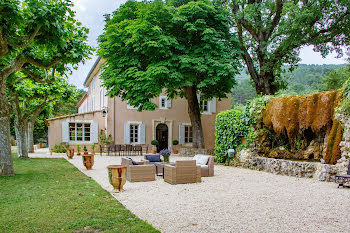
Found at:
<point>90,14</point>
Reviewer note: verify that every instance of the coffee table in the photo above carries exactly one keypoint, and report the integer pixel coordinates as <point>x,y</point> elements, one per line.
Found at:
<point>160,167</point>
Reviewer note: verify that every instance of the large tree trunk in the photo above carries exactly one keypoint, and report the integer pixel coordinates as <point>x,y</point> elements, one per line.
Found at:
<point>6,163</point>
<point>195,117</point>
<point>30,136</point>
<point>21,128</point>
<point>265,84</point>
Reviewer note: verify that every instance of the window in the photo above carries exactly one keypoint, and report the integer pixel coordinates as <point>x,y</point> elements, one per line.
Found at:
<point>188,134</point>
<point>134,133</point>
<point>164,102</point>
<point>205,106</point>
<point>130,107</point>
<point>79,132</point>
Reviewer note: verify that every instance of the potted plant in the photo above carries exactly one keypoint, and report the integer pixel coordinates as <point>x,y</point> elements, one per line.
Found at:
<point>165,153</point>
<point>175,142</point>
<point>154,143</point>
<point>85,150</point>
<point>78,149</point>
<point>93,146</point>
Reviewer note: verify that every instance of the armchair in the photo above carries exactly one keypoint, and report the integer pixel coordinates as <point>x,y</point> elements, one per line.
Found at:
<point>207,164</point>
<point>183,172</point>
<point>143,171</point>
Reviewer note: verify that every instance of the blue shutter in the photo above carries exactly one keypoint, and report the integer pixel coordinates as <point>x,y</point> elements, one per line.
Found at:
<point>168,103</point>
<point>212,106</point>
<point>126,133</point>
<point>94,133</point>
<point>142,136</point>
<point>65,131</point>
<point>181,134</point>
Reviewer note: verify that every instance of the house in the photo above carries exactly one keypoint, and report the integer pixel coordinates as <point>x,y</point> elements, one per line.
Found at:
<point>126,125</point>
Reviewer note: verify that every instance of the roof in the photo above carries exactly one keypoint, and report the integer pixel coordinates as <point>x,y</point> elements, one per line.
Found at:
<point>87,80</point>
<point>82,99</point>
<point>73,115</point>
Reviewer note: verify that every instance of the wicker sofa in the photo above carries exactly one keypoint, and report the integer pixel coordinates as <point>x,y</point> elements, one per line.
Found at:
<point>207,164</point>
<point>185,171</point>
<point>139,173</point>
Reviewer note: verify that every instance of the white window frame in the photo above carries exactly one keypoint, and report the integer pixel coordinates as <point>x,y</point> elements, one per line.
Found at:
<point>165,99</point>
<point>75,129</point>
<point>208,107</point>
<point>128,106</point>
<point>187,125</point>
<point>138,124</point>
<point>101,98</point>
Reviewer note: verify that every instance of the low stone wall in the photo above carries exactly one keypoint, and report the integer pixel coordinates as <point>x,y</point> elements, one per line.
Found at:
<point>322,172</point>
<point>189,152</point>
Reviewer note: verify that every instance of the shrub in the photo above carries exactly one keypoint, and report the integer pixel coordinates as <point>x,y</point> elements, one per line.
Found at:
<point>59,148</point>
<point>85,148</point>
<point>175,142</point>
<point>231,126</point>
<point>154,142</point>
<point>344,106</point>
<point>13,142</point>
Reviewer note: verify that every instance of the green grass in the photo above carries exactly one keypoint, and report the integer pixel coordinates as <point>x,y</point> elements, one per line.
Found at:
<point>51,195</point>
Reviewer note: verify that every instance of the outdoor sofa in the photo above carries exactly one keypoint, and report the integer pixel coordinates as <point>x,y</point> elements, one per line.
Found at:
<point>139,171</point>
<point>184,171</point>
<point>206,162</point>
<point>153,158</point>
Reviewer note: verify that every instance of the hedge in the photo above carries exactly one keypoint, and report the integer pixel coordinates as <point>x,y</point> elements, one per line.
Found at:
<point>231,125</point>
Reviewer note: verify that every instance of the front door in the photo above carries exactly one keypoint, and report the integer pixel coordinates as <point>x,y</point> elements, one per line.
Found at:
<point>162,137</point>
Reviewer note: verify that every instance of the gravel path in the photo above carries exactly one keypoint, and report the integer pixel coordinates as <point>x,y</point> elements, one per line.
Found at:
<point>234,200</point>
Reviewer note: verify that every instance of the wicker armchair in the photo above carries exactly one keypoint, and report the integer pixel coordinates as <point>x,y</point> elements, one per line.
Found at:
<point>139,173</point>
<point>183,172</point>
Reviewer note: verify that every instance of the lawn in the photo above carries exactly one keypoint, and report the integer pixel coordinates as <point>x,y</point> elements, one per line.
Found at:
<point>51,195</point>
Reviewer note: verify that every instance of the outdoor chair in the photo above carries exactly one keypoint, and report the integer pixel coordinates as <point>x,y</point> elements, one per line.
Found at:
<point>128,149</point>
<point>153,158</point>
<point>207,164</point>
<point>122,149</point>
<point>344,179</point>
<point>117,149</point>
<point>138,150</point>
<point>111,149</point>
<point>184,171</point>
<point>139,171</point>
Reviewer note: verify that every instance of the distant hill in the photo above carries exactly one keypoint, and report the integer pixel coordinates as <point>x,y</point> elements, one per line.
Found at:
<point>305,79</point>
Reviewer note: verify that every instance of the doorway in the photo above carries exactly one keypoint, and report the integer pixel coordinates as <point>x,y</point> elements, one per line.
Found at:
<point>162,137</point>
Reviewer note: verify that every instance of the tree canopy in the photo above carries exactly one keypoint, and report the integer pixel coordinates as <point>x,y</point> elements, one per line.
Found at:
<point>38,38</point>
<point>271,33</point>
<point>151,47</point>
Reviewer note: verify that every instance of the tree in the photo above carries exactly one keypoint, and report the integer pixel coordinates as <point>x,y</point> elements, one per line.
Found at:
<point>335,79</point>
<point>271,33</point>
<point>152,47</point>
<point>39,38</point>
<point>28,99</point>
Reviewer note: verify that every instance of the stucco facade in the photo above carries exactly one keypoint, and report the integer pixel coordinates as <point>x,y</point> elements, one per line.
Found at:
<point>170,121</point>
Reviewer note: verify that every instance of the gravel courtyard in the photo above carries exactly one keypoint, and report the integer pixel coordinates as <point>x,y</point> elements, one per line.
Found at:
<point>234,200</point>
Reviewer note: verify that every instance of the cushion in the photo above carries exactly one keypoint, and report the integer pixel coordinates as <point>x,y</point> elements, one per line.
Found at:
<point>153,158</point>
<point>201,159</point>
<point>132,161</point>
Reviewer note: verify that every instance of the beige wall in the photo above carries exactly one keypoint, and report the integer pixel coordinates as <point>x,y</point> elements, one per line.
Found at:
<point>55,125</point>
<point>173,117</point>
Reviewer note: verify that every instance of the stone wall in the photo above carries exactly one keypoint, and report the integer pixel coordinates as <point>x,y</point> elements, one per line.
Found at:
<point>322,172</point>
<point>190,152</point>
<point>342,163</point>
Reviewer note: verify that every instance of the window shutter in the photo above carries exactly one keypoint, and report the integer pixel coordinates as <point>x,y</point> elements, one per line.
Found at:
<point>94,133</point>
<point>65,131</point>
<point>168,103</point>
<point>142,135</point>
<point>181,134</point>
<point>126,133</point>
<point>212,105</point>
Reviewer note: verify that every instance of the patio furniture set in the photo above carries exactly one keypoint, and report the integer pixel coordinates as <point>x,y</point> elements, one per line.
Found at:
<point>180,172</point>
<point>123,150</point>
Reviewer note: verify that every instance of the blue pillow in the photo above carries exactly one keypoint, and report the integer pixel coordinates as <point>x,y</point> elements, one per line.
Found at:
<point>153,158</point>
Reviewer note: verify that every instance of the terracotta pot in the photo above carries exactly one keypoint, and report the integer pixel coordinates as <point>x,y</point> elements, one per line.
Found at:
<point>243,140</point>
<point>175,151</point>
<point>117,176</point>
<point>78,153</point>
<point>88,161</point>
<point>154,152</point>
<point>86,152</point>
<point>70,153</point>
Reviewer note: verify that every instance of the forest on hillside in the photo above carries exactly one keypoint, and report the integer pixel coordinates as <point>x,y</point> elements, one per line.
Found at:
<point>304,79</point>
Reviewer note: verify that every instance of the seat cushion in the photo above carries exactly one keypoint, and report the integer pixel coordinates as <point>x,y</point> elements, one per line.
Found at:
<point>153,158</point>
<point>201,159</point>
<point>132,161</point>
